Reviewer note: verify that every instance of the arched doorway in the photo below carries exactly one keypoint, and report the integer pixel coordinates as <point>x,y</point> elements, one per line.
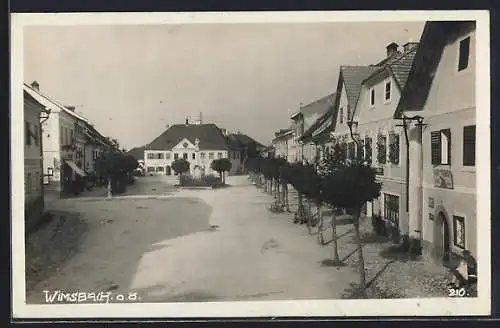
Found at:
<point>442,237</point>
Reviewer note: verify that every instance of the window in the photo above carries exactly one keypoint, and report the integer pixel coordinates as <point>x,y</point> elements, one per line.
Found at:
<point>463,54</point>
<point>382,149</point>
<point>348,114</point>
<point>459,231</point>
<point>176,156</point>
<point>210,155</point>
<point>359,152</point>
<point>151,156</point>
<point>160,169</point>
<point>202,155</point>
<point>441,147</point>
<point>387,90</point>
<point>50,171</point>
<point>394,148</point>
<point>159,155</point>
<point>151,169</point>
<point>341,115</point>
<point>219,155</point>
<point>368,150</point>
<point>372,97</point>
<point>194,156</point>
<point>27,133</point>
<point>167,155</point>
<point>469,147</point>
<point>185,155</point>
<point>391,209</point>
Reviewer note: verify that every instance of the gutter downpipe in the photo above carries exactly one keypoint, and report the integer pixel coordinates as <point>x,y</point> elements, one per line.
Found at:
<point>42,189</point>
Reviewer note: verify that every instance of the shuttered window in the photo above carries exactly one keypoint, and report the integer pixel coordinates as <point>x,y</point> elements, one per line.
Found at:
<point>441,147</point>
<point>436,147</point>
<point>469,146</point>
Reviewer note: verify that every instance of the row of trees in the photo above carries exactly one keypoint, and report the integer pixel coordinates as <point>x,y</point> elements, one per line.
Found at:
<point>117,169</point>
<point>333,181</point>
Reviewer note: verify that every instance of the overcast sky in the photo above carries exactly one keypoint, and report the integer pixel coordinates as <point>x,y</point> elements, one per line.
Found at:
<point>131,81</point>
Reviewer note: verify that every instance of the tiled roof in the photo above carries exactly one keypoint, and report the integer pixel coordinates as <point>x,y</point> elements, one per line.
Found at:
<point>399,66</point>
<point>319,106</point>
<point>48,102</point>
<point>353,76</point>
<point>137,152</point>
<point>245,140</point>
<point>209,135</point>
<point>30,97</point>
<point>328,103</point>
<point>419,79</point>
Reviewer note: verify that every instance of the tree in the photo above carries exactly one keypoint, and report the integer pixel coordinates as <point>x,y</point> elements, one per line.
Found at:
<point>350,187</point>
<point>180,166</point>
<point>286,174</point>
<point>221,165</point>
<point>333,159</point>
<point>112,166</point>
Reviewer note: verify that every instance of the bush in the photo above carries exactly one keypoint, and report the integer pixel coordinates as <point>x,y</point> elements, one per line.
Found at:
<point>204,181</point>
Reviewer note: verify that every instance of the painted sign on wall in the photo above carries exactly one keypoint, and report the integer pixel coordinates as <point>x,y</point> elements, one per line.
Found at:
<point>443,179</point>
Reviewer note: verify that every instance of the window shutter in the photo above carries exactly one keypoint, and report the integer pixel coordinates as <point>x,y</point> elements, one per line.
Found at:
<point>469,146</point>
<point>436,147</point>
<point>447,133</point>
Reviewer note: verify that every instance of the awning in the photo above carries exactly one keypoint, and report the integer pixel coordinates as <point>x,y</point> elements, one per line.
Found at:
<point>75,168</point>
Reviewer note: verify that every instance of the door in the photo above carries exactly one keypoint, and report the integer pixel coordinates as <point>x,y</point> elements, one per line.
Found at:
<point>446,240</point>
<point>168,171</point>
<point>391,214</point>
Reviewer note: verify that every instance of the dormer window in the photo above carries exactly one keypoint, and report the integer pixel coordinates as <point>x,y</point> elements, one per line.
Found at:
<point>463,54</point>
<point>372,97</point>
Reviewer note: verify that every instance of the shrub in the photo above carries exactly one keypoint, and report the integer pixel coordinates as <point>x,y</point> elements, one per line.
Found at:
<point>221,165</point>
<point>204,181</point>
<point>180,166</point>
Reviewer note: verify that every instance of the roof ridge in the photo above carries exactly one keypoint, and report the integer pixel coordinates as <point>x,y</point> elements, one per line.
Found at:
<point>58,104</point>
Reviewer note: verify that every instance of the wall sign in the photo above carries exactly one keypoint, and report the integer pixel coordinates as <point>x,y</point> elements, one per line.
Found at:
<point>443,179</point>
<point>431,202</point>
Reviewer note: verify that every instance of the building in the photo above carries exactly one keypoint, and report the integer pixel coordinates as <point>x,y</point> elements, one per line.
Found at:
<point>382,138</point>
<point>243,147</point>
<point>63,140</point>
<point>198,143</point>
<point>34,113</point>
<point>95,147</point>
<point>316,136</point>
<point>438,107</point>
<point>281,142</point>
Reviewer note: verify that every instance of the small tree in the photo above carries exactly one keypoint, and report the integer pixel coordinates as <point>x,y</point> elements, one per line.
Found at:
<point>350,187</point>
<point>110,165</point>
<point>180,166</point>
<point>221,166</point>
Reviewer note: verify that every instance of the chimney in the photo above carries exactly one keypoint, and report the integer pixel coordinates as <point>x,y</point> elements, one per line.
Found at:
<point>71,108</point>
<point>187,121</point>
<point>410,45</point>
<point>35,85</point>
<point>391,49</point>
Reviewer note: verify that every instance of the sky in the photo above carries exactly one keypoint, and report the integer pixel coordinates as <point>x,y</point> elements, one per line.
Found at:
<point>132,81</point>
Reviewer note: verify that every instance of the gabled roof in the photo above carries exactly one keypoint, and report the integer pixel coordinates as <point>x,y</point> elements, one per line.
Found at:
<point>353,77</point>
<point>49,102</point>
<point>137,152</point>
<point>327,109</point>
<point>245,140</point>
<point>31,98</point>
<point>320,106</point>
<point>399,67</point>
<point>434,38</point>
<point>209,135</point>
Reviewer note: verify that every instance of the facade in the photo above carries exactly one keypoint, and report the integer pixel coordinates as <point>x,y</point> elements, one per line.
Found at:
<point>67,153</point>
<point>199,144</point>
<point>438,107</point>
<point>281,142</point>
<point>34,112</point>
<point>383,141</point>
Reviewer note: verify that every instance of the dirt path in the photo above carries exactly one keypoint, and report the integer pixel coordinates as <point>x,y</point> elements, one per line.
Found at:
<point>196,245</point>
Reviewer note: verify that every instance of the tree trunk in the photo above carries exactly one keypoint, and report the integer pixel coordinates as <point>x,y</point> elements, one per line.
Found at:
<point>362,275</point>
<point>109,187</point>
<point>336,257</point>
<point>278,194</point>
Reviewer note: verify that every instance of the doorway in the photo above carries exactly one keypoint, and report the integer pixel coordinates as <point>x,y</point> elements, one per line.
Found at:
<point>168,171</point>
<point>442,238</point>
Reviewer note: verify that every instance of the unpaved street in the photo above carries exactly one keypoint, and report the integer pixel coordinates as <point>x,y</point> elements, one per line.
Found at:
<point>195,245</point>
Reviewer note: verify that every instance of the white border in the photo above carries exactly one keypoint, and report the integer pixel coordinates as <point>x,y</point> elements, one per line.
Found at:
<point>410,307</point>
